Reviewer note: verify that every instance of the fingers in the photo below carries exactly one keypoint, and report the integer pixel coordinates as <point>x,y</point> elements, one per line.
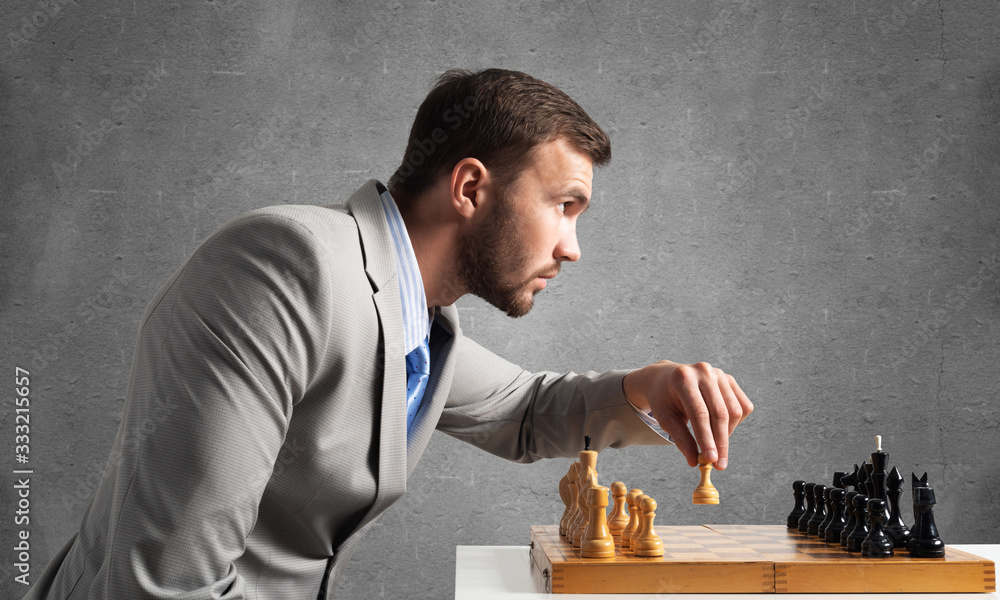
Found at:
<point>707,400</point>
<point>743,400</point>
<point>698,411</point>
<point>733,404</point>
<point>676,426</point>
<point>714,405</point>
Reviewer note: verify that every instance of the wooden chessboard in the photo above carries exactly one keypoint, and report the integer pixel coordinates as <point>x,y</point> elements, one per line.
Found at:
<point>749,559</point>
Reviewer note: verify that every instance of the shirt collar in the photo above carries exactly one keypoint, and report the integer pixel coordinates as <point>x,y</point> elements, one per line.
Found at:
<point>416,321</point>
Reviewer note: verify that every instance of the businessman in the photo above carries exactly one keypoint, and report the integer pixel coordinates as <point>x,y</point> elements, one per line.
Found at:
<point>288,376</point>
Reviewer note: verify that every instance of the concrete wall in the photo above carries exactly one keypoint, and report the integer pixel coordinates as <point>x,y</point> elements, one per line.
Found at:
<point>805,194</point>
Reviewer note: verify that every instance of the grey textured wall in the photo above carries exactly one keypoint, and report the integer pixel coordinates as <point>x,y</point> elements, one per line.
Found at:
<point>805,194</point>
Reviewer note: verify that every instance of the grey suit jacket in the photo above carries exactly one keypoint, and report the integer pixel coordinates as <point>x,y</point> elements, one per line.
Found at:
<point>264,427</point>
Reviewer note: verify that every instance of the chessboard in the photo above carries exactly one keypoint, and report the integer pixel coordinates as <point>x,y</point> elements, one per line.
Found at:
<point>749,559</point>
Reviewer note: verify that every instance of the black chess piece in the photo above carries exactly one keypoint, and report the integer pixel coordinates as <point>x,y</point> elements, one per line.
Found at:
<point>877,477</point>
<point>895,527</point>
<point>850,516</point>
<point>864,478</point>
<point>819,511</point>
<point>821,530</point>
<point>861,527</point>
<point>851,480</point>
<point>837,522</point>
<point>800,506</point>
<point>914,484</point>
<point>924,541</point>
<point>837,477</point>
<point>810,507</point>
<point>877,544</point>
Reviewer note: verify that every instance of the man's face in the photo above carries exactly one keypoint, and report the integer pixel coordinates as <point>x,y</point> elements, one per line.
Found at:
<point>530,229</point>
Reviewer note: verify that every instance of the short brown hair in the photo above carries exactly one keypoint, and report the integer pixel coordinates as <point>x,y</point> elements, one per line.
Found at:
<point>496,116</point>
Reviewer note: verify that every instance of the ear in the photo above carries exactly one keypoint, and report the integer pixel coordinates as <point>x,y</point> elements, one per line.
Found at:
<point>470,185</point>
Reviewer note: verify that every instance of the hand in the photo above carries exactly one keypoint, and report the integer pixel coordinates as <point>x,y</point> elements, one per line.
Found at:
<point>699,394</point>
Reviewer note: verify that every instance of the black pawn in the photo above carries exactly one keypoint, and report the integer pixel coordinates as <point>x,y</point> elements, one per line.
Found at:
<point>850,516</point>
<point>821,532</point>
<point>924,542</point>
<point>861,527</point>
<point>895,527</point>
<point>810,507</point>
<point>837,521</point>
<point>877,544</point>
<point>800,506</point>
<point>837,483</point>
<point>819,513</point>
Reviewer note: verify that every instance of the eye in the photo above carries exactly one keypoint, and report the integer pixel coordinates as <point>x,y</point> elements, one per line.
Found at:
<point>562,206</point>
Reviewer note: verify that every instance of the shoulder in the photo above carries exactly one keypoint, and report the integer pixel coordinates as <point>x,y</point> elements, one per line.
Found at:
<point>313,229</point>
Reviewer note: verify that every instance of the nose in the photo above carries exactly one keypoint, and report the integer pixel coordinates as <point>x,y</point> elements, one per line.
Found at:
<point>568,248</point>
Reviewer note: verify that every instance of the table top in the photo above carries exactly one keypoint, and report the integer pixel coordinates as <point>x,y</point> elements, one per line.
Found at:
<point>504,573</point>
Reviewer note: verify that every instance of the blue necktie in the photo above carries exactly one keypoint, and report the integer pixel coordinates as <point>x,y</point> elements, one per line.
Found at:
<point>418,370</point>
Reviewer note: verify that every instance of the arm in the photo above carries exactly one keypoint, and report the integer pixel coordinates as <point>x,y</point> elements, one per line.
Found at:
<point>524,416</point>
<point>224,354</point>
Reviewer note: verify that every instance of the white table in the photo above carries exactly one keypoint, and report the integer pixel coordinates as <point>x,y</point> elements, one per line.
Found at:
<point>504,573</point>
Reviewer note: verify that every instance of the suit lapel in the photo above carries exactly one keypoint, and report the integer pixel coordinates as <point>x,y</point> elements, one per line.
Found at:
<point>380,264</point>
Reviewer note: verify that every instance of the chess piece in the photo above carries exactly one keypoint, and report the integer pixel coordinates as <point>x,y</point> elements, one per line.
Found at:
<point>819,514</point>
<point>924,541</point>
<point>588,460</point>
<point>574,488</point>
<point>597,541</point>
<point>648,543</point>
<point>837,522</point>
<point>850,515</point>
<point>851,480</point>
<point>877,544</point>
<point>633,517</point>
<point>619,518</point>
<point>640,519</point>
<point>864,478</point>
<point>589,481</point>
<point>566,495</point>
<point>895,527</point>
<point>807,489</point>
<point>879,474</point>
<point>800,504</point>
<point>837,476</point>
<point>705,493</point>
<point>914,484</point>
<point>860,532</point>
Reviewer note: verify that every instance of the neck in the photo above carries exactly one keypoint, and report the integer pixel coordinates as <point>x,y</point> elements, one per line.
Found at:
<point>434,235</point>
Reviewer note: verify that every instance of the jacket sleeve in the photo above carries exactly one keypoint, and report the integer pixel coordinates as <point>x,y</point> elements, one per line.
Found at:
<point>224,352</point>
<point>523,416</point>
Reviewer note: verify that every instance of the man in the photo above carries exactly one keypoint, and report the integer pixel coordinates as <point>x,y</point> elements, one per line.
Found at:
<point>289,375</point>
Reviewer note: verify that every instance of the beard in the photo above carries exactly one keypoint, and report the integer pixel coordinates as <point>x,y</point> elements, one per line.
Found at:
<point>494,253</point>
